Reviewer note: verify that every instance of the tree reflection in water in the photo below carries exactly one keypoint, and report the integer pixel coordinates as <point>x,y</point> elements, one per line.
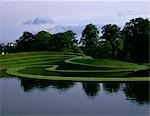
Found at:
<point>91,88</point>
<point>31,84</point>
<point>111,87</point>
<point>60,85</point>
<point>137,92</point>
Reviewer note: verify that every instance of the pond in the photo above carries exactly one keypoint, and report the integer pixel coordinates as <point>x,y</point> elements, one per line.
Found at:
<point>22,96</point>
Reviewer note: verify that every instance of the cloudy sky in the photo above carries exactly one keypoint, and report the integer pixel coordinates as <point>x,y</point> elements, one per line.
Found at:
<point>14,14</point>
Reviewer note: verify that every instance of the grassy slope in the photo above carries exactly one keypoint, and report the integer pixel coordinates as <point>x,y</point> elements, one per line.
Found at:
<point>33,64</point>
<point>30,59</point>
<point>87,63</point>
<point>15,72</point>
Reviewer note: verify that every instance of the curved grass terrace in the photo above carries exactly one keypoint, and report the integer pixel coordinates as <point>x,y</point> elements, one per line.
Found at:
<point>70,67</point>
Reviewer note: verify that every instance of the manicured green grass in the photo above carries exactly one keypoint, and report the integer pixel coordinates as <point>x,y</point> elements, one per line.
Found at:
<point>103,62</point>
<point>87,63</point>
<point>33,54</point>
<point>43,70</point>
<point>31,59</point>
<point>14,71</point>
<point>38,70</point>
<point>68,66</point>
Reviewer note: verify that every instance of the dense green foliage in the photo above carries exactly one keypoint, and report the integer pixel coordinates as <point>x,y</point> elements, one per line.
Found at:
<point>41,41</point>
<point>136,40</point>
<point>64,42</point>
<point>129,44</point>
<point>44,41</point>
<point>112,35</point>
<point>89,40</point>
<point>25,42</point>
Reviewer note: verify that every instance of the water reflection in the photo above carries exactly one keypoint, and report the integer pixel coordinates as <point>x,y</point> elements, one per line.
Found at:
<point>91,89</point>
<point>111,87</point>
<point>137,92</point>
<point>62,85</point>
<point>31,84</point>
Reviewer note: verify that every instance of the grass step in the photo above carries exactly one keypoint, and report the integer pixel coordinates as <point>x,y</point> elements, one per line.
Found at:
<point>70,66</point>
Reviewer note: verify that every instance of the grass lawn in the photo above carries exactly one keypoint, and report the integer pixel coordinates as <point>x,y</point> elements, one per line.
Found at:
<point>68,66</point>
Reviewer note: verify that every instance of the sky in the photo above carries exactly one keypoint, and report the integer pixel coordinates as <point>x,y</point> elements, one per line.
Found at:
<point>26,15</point>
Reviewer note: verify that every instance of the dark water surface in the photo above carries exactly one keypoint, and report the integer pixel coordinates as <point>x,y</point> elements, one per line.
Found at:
<point>28,97</point>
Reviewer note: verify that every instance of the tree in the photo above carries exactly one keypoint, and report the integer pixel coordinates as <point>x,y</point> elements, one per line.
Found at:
<point>42,41</point>
<point>104,50</point>
<point>25,42</point>
<point>136,43</point>
<point>89,39</point>
<point>70,42</point>
<point>112,35</point>
<point>65,42</point>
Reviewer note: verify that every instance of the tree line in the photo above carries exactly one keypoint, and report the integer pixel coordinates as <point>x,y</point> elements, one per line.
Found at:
<point>130,43</point>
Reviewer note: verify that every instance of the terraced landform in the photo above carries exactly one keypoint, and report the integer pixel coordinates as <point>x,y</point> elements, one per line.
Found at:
<point>69,67</point>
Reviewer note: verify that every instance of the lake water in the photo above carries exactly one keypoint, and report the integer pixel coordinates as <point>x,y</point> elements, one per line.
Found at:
<point>28,97</point>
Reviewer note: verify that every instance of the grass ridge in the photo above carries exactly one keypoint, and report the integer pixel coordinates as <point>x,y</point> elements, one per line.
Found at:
<point>68,66</point>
